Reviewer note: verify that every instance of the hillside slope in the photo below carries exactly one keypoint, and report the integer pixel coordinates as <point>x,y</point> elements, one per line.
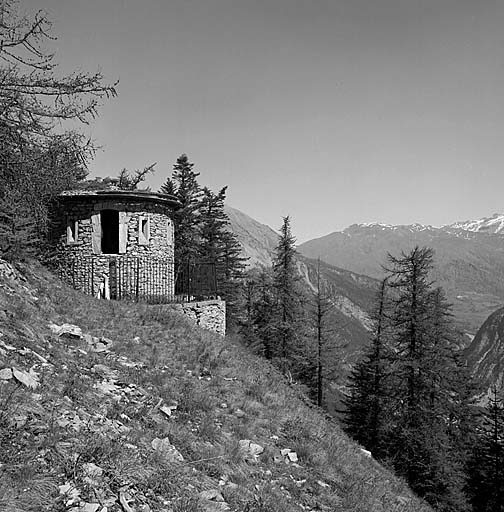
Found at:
<point>258,241</point>
<point>469,265</point>
<point>110,406</point>
<point>485,354</point>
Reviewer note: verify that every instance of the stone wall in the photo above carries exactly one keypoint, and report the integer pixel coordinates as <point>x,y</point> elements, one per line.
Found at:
<point>144,264</point>
<point>208,314</point>
<point>86,211</point>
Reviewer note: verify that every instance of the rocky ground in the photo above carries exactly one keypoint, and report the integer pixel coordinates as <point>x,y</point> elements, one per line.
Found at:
<point>108,407</point>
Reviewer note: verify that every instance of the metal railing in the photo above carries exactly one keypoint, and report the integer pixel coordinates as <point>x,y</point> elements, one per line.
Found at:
<point>144,279</point>
<point>196,281</point>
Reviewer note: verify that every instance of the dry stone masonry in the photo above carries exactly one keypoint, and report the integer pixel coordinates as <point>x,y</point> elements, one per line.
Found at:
<point>207,314</point>
<point>117,244</point>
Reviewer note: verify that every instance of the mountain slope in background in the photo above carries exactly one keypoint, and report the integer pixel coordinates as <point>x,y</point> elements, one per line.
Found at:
<point>258,241</point>
<point>485,354</point>
<point>468,265</point>
<point>351,294</point>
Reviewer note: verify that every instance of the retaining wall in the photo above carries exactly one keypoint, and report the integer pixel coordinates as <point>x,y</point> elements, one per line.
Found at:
<point>208,314</point>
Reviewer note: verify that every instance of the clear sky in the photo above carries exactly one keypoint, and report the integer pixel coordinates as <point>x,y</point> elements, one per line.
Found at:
<point>331,111</point>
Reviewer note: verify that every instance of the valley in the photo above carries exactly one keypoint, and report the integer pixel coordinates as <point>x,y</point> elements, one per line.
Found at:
<point>469,265</point>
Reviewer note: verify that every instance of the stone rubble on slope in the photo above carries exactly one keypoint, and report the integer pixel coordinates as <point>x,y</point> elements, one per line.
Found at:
<point>29,379</point>
<point>212,501</point>
<point>166,450</point>
<point>251,450</point>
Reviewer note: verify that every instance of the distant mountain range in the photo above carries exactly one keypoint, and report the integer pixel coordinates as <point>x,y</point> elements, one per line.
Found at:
<point>469,259</point>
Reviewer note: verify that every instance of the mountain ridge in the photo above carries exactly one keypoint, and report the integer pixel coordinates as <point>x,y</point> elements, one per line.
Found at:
<point>468,264</point>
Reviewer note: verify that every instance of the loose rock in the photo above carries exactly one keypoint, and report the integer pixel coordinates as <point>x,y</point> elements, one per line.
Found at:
<point>71,330</point>
<point>252,450</point>
<point>212,501</point>
<point>167,450</point>
<point>30,380</point>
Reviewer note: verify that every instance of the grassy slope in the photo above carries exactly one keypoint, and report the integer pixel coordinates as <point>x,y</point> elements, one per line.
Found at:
<point>50,435</point>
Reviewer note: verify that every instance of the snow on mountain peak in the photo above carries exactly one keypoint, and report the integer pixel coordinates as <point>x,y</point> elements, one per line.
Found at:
<point>490,225</point>
<point>394,227</point>
<point>493,224</point>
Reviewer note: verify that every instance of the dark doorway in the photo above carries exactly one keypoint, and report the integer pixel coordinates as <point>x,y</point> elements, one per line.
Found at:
<point>110,231</point>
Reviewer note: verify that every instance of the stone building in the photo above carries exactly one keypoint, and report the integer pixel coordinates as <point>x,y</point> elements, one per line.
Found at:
<point>116,243</point>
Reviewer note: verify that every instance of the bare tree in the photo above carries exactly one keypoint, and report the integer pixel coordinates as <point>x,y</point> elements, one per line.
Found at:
<point>33,100</point>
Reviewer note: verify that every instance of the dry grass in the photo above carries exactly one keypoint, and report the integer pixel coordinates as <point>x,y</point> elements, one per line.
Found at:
<point>224,394</point>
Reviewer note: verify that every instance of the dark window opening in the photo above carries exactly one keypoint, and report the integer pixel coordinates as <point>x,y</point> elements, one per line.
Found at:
<point>110,231</point>
<point>144,228</point>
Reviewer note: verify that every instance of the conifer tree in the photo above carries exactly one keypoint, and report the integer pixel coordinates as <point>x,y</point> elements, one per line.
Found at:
<point>322,307</point>
<point>184,185</point>
<point>367,412</point>
<point>424,412</point>
<point>321,347</point>
<point>202,234</point>
<point>424,449</point>
<point>285,282</point>
<point>213,223</point>
<point>219,246</point>
<point>38,157</point>
<point>128,181</point>
<point>486,483</point>
<point>260,306</point>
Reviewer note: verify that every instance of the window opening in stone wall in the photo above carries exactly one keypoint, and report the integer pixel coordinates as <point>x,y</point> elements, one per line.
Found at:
<point>143,231</point>
<point>72,231</point>
<point>169,232</point>
<point>109,231</point>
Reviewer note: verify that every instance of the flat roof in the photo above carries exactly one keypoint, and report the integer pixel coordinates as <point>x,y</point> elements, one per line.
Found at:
<point>131,196</point>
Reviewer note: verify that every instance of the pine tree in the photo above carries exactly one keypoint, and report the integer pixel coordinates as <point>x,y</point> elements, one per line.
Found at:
<point>285,282</point>
<point>259,328</point>
<point>423,450</point>
<point>417,414</point>
<point>322,307</point>
<point>168,187</point>
<point>202,234</point>
<point>367,415</point>
<point>486,484</point>
<point>38,158</point>
<point>18,228</point>
<point>325,350</point>
<point>184,185</point>
<point>213,223</point>
<point>220,247</point>
<point>30,178</point>
<point>128,181</point>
